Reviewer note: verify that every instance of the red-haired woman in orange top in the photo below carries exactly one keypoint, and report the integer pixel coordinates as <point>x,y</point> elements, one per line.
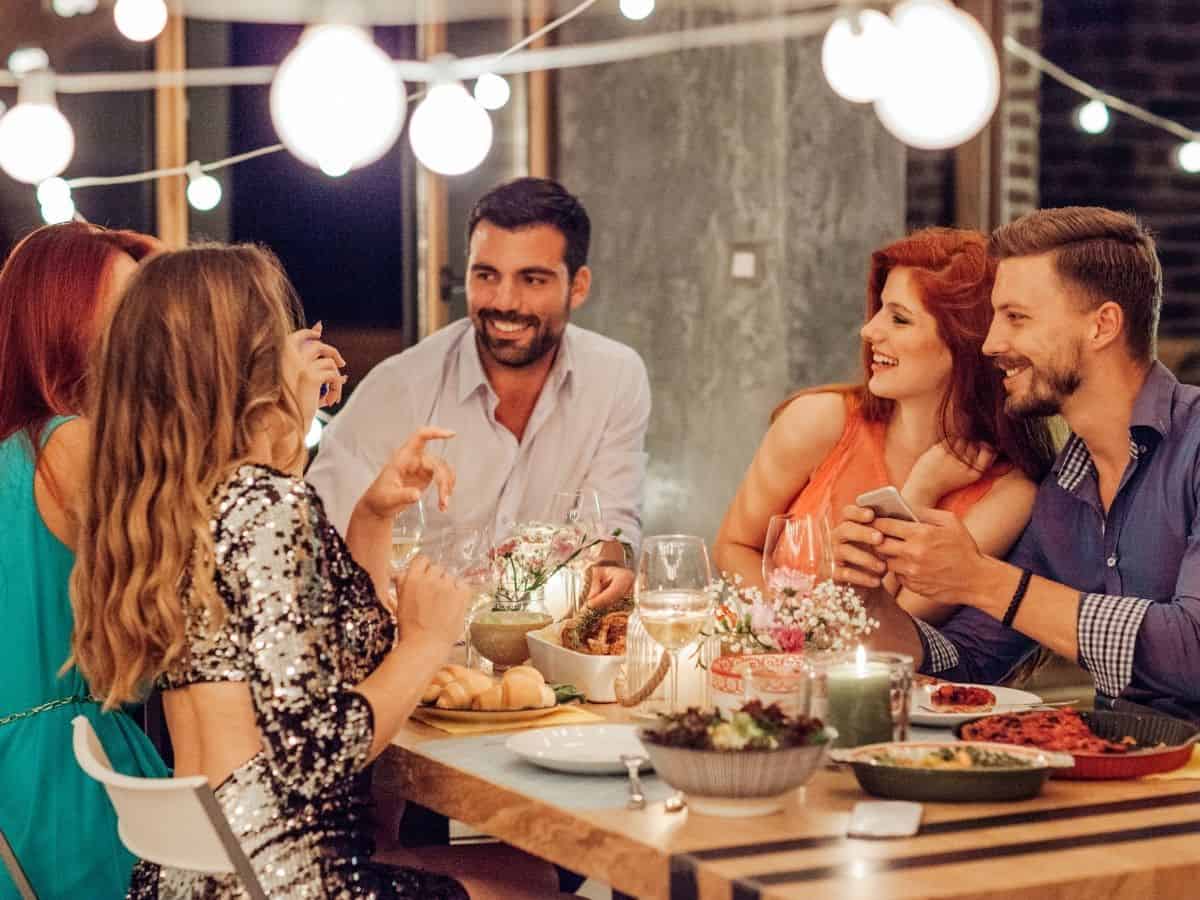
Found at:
<point>929,417</point>
<point>57,289</point>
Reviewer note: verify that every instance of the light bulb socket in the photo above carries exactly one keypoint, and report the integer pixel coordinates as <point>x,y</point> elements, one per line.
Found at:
<point>193,170</point>
<point>37,88</point>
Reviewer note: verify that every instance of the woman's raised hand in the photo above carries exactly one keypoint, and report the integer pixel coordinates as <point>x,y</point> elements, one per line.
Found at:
<point>408,473</point>
<point>946,467</point>
<point>315,364</point>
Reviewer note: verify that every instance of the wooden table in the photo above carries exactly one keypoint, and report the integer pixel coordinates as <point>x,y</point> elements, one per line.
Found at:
<point>1077,841</point>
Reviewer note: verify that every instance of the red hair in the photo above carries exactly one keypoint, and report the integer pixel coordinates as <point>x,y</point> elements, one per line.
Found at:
<point>50,290</point>
<point>954,273</point>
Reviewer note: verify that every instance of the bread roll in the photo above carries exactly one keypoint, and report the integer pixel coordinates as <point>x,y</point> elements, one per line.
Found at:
<point>548,698</point>
<point>475,681</point>
<point>525,672</point>
<point>455,695</point>
<point>521,693</point>
<point>491,699</point>
<point>432,692</point>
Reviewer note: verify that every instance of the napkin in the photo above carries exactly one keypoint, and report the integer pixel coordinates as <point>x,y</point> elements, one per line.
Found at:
<point>1190,770</point>
<point>566,715</point>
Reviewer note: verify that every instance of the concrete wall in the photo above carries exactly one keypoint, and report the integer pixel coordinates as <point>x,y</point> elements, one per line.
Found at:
<point>681,159</point>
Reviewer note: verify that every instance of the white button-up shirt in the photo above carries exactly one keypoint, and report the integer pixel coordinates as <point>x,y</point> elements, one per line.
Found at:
<point>587,430</point>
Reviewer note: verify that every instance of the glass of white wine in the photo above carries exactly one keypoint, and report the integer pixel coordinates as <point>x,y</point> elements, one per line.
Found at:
<point>674,599</point>
<point>407,530</point>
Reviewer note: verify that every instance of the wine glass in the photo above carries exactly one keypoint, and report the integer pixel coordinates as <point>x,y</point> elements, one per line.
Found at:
<point>408,527</point>
<point>797,554</point>
<point>674,600</point>
<point>577,515</point>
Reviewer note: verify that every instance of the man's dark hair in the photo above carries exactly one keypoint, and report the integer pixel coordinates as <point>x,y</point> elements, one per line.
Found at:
<point>524,202</point>
<point>1103,254</point>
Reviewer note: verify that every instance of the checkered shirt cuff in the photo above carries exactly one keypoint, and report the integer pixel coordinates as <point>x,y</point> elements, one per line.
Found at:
<point>1108,630</point>
<point>940,654</point>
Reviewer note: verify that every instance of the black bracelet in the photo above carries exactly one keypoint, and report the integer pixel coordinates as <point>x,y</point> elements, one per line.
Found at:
<point>1018,596</point>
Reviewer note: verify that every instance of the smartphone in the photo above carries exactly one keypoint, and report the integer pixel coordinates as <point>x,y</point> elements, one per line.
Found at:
<point>887,502</point>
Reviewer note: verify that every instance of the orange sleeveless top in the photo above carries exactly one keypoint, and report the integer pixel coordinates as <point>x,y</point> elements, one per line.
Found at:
<point>857,464</point>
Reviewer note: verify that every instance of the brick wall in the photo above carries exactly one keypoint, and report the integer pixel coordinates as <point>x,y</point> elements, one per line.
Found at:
<point>1146,52</point>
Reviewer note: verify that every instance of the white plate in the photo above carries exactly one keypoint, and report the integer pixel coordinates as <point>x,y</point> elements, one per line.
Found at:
<point>579,749</point>
<point>1007,700</point>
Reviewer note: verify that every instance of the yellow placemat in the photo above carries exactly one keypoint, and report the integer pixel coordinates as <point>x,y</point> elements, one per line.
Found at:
<point>567,715</point>
<point>1191,770</point>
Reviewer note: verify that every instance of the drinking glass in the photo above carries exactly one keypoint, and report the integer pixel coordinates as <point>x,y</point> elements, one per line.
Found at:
<point>408,527</point>
<point>466,553</point>
<point>674,599</point>
<point>577,515</point>
<point>797,554</point>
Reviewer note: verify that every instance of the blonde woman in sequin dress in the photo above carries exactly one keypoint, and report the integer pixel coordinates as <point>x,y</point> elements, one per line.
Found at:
<point>211,568</point>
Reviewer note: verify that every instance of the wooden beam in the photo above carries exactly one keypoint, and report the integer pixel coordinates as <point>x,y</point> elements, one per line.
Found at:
<point>540,102</point>
<point>170,127</point>
<point>433,243</point>
<point>978,164</point>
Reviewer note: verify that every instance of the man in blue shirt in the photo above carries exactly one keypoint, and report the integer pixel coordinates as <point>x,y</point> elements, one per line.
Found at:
<point>1108,569</point>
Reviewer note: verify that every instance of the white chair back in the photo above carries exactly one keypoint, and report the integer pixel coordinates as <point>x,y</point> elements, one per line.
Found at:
<point>13,865</point>
<point>174,822</point>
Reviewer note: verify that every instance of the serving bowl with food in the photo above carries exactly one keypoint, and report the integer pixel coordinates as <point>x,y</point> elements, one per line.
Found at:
<point>743,763</point>
<point>586,650</point>
<point>951,772</point>
<point>1104,744</point>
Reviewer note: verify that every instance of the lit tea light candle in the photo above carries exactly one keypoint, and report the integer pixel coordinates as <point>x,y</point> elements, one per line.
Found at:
<point>859,701</point>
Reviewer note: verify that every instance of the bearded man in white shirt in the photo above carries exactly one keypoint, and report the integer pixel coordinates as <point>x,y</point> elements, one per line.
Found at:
<point>537,405</point>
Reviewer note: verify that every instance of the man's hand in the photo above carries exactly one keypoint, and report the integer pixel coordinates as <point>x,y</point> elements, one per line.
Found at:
<point>609,585</point>
<point>937,558</point>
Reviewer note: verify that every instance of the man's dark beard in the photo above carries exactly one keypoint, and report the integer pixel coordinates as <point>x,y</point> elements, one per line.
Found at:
<point>1048,388</point>
<point>505,352</point>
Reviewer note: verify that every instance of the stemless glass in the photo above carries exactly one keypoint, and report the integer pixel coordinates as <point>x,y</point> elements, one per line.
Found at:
<point>797,554</point>
<point>408,527</point>
<point>674,600</point>
<point>578,518</point>
<point>466,553</point>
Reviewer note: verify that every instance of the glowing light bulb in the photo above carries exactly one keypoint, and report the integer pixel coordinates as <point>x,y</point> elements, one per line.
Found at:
<point>24,60</point>
<point>52,191</point>
<point>857,62</point>
<point>945,83</point>
<point>492,91</point>
<point>636,9</point>
<point>140,20</point>
<point>1188,157</point>
<point>58,211</point>
<point>203,191</point>
<point>336,101</point>
<point>36,140</point>
<point>68,8</point>
<point>450,133</point>
<point>1092,117</point>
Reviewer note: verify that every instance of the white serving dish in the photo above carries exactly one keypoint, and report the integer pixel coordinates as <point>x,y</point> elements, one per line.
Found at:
<point>579,749</point>
<point>594,675</point>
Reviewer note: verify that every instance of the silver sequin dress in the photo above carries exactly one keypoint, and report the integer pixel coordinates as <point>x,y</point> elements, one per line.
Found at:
<point>303,628</point>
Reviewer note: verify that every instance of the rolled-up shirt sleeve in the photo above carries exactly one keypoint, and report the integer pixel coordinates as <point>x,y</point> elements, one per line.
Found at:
<point>1152,645</point>
<point>618,470</point>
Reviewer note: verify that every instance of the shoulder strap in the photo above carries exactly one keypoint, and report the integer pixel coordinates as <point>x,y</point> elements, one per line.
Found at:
<point>51,426</point>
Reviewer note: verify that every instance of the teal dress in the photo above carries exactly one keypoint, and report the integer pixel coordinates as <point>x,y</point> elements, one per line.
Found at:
<point>58,820</point>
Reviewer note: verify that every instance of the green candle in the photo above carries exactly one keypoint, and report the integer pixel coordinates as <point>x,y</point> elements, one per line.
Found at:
<point>859,696</point>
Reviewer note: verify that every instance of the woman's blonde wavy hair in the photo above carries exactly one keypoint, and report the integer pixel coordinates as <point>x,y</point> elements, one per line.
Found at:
<point>187,376</point>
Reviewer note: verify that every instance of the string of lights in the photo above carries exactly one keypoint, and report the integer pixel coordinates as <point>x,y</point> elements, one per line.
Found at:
<point>338,101</point>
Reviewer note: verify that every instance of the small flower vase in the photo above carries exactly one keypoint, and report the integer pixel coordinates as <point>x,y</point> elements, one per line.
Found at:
<point>497,633</point>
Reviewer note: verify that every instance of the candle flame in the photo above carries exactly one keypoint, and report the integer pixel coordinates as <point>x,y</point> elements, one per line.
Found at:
<point>860,660</point>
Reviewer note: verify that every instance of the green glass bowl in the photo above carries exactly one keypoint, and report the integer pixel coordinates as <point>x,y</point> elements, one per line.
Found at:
<point>989,785</point>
